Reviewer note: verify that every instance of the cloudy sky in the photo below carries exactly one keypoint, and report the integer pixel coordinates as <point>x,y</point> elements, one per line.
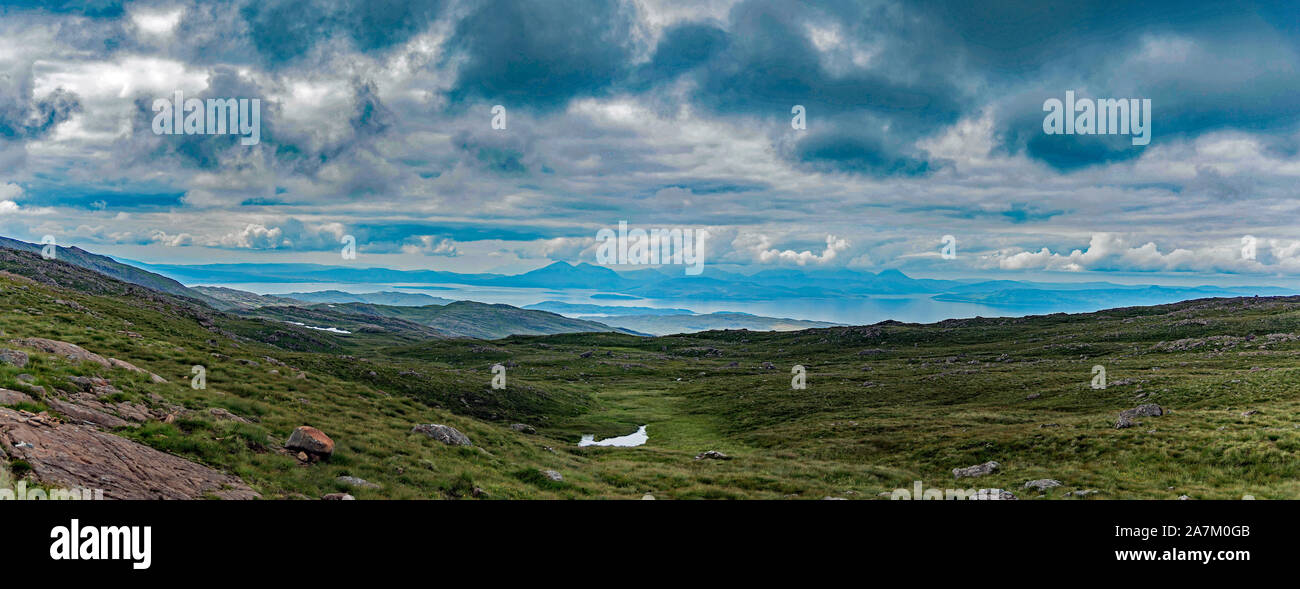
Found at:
<point>923,119</point>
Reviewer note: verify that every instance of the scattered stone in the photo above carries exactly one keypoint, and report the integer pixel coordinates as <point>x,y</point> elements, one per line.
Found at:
<point>1042,484</point>
<point>71,456</point>
<point>585,355</point>
<point>26,378</point>
<point>337,497</point>
<point>647,497</point>
<point>302,456</point>
<point>13,358</point>
<point>443,433</point>
<point>712,455</point>
<point>523,428</point>
<point>829,498</point>
<point>1249,413</point>
<point>1183,497</point>
<point>550,474</point>
<point>479,492</point>
<point>977,470</point>
<point>1032,396</point>
<point>311,441</point>
<point>1081,493</point>
<point>769,366</point>
<point>1124,423</point>
<point>352,481</point>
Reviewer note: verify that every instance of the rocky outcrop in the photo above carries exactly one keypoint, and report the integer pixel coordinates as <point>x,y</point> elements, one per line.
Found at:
<point>443,433</point>
<point>8,397</point>
<point>70,351</point>
<point>310,441</point>
<point>77,456</point>
<point>978,470</point>
<point>1042,484</point>
<point>76,354</point>
<point>84,415</point>
<point>124,365</point>
<point>13,358</point>
<point>1128,417</point>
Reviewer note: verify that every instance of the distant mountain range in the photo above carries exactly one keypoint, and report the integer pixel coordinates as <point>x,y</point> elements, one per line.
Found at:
<point>426,315</point>
<point>253,300</point>
<point>669,321</point>
<point>720,285</point>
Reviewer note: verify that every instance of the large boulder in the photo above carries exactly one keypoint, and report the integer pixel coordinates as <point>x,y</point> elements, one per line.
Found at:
<point>311,441</point>
<point>977,470</point>
<point>72,456</point>
<point>443,433</point>
<point>523,428</point>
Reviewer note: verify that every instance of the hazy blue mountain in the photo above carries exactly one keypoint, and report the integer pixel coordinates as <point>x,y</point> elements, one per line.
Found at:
<point>241,299</point>
<point>588,309</point>
<point>471,319</point>
<point>667,283</point>
<point>670,324</point>
<point>400,299</point>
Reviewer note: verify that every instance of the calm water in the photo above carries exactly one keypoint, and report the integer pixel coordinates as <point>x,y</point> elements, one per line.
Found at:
<point>632,439</point>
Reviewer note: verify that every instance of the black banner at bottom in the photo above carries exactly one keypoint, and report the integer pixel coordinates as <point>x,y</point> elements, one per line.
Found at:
<point>107,540</point>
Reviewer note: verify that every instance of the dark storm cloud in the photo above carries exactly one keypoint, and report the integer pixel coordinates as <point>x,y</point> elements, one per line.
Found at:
<point>285,30</point>
<point>542,54</point>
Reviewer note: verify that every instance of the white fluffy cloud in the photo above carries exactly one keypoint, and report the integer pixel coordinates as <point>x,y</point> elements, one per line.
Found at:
<point>1107,251</point>
<point>253,236</point>
<point>760,247</point>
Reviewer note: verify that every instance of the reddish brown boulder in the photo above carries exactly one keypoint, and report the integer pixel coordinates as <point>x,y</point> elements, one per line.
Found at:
<point>310,440</point>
